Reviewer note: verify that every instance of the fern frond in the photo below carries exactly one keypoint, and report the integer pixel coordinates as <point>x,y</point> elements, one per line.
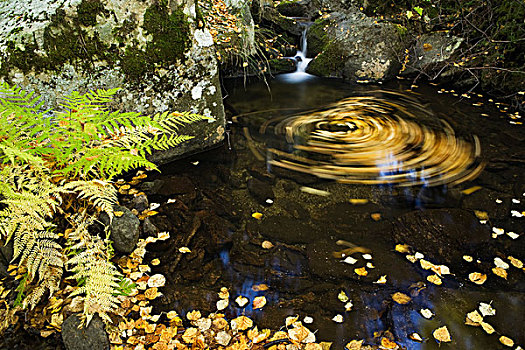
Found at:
<point>101,194</point>
<point>50,281</point>
<point>15,99</point>
<point>91,264</point>
<point>170,122</point>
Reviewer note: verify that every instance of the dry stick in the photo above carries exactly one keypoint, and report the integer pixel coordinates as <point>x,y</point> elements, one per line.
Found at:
<point>194,229</point>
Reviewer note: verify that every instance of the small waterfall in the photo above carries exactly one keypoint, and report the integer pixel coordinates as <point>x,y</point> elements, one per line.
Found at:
<point>301,60</point>
<point>300,56</point>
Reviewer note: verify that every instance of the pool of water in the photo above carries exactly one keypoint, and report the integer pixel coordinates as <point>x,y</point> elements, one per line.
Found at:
<point>214,196</point>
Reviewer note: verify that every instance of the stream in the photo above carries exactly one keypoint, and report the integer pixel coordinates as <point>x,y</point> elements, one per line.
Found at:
<point>445,221</point>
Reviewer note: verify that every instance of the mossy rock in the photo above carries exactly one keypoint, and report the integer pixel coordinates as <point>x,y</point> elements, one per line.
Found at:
<point>292,9</point>
<point>329,63</point>
<point>317,37</point>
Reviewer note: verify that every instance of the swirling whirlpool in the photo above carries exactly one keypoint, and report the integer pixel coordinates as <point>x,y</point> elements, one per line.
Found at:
<point>391,139</point>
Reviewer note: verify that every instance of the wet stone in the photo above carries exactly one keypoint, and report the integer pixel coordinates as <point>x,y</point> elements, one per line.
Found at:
<point>443,235</point>
<point>148,228</point>
<point>125,230</point>
<point>283,229</point>
<point>324,265</point>
<point>261,191</point>
<point>140,203</point>
<point>485,200</point>
<point>93,337</point>
<point>293,208</point>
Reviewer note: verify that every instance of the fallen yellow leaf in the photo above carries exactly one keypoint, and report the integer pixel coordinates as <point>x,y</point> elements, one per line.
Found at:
<point>118,213</point>
<point>190,335</point>
<point>402,248</point>
<point>442,335</point>
<point>482,215</point>
<point>506,341</point>
<point>259,302</point>
<point>515,262</point>
<point>477,277</point>
<point>401,298</point>
<point>355,345</point>
<point>375,216</point>
<point>193,315</point>
<point>257,215</point>
<point>260,287</point>
<point>487,327</point>
<point>498,271</point>
<point>475,317</point>
<point>358,201</point>
<point>471,190</point>
<point>388,344</point>
<point>151,293</point>
<point>361,271</point>
<point>434,279</point>
<point>241,323</point>
<point>426,265</point>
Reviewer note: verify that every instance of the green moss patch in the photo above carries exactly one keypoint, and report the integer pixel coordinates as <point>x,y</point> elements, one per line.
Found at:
<point>170,33</point>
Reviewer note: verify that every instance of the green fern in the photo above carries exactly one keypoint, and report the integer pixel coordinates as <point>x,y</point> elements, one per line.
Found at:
<point>55,171</point>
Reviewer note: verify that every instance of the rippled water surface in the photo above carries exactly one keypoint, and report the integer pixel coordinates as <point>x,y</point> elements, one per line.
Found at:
<point>372,166</point>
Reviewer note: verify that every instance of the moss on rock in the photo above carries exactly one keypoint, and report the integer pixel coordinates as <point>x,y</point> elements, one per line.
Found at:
<point>330,62</point>
<point>170,33</point>
<point>88,10</point>
<point>134,64</point>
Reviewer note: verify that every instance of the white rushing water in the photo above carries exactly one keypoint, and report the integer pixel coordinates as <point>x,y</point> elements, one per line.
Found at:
<point>300,56</point>
<point>301,60</point>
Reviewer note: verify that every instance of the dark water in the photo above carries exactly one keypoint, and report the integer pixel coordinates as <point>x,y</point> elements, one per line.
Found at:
<point>214,194</point>
<point>303,276</point>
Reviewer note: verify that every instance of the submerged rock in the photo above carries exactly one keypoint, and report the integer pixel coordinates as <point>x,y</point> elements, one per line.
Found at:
<point>156,52</point>
<point>283,229</point>
<point>443,235</point>
<point>261,191</point>
<point>93,337</point>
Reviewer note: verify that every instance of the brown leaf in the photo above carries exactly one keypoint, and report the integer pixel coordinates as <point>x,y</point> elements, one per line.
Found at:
<point>401,298</point>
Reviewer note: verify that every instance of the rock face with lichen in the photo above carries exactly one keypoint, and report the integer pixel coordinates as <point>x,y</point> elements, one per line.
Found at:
<point>348,44</point>
<point>157,51</point>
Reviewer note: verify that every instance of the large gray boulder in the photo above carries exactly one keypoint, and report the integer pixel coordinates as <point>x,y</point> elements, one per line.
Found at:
<point>92,337</point>
<point>161,55</point>
<point>348,44</point>
<point>430,52</point>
